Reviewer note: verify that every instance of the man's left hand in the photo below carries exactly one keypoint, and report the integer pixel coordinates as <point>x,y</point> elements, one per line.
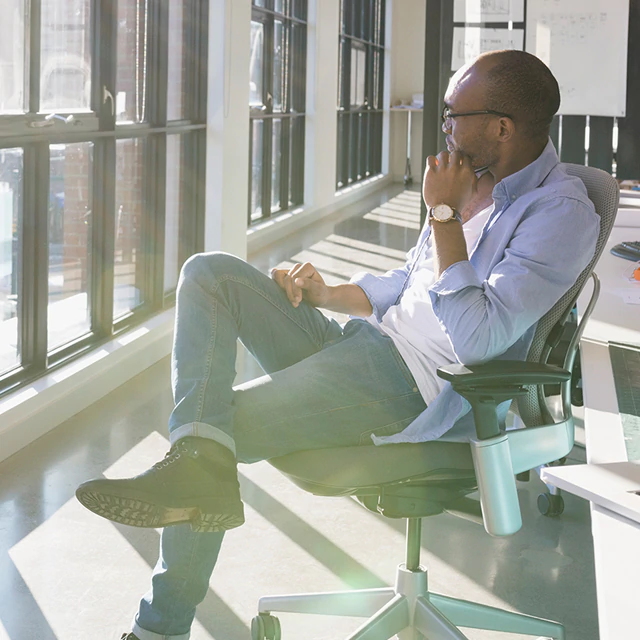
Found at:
<point>449,179</point>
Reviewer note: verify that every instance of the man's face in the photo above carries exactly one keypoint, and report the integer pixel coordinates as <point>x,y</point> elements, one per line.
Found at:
<point>471,135</point>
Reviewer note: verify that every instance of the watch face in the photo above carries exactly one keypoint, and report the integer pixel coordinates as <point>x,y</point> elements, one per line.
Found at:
<point>442,212</point>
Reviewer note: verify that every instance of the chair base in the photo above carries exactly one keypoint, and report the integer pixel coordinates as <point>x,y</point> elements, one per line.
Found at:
<point>410,612</point>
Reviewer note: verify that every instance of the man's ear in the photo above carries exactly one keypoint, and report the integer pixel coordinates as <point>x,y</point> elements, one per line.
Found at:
<point>507,129</point>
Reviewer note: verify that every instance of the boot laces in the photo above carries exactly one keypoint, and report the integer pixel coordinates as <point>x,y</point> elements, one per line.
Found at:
<point>173,455</point>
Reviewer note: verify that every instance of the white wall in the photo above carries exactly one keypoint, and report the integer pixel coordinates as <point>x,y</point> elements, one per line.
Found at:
<point>228,127</point>
<point>407,78</point>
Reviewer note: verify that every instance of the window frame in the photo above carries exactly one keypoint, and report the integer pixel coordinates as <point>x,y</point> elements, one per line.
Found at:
<point>360,126</point>
<point>292,115</point>
<point>100,128</point>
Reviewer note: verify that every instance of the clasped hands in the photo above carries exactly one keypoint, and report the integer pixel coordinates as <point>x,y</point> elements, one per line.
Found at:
<point>303,281</point>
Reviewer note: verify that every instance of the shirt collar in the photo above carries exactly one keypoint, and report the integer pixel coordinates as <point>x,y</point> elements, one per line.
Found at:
<point>513,186</point>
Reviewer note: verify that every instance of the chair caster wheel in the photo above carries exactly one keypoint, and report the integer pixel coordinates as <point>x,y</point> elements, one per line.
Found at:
<point>550,505</point>
<point>265,627</point>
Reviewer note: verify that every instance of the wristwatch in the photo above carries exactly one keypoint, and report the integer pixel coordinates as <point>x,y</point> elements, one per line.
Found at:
<point>444,213</point>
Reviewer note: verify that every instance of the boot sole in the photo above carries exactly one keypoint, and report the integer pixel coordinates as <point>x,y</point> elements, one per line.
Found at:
<point>220,515</point>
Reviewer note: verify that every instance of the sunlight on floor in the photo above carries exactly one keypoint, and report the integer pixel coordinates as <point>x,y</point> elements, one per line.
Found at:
<point>75,542</point>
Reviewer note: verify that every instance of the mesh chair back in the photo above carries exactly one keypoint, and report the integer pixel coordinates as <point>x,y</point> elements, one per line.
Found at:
<point>604,192</point>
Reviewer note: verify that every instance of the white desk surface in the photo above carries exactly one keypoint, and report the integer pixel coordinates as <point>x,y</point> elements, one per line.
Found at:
<point>611,485</point>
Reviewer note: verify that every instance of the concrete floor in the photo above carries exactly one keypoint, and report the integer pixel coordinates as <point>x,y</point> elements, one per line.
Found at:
<point>67,574</point>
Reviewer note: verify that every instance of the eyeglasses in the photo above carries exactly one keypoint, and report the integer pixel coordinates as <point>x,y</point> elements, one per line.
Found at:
<point>447,115</point>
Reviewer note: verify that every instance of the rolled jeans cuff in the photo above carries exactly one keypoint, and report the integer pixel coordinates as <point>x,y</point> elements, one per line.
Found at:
<point>143,634</point>
<point>202,430</point>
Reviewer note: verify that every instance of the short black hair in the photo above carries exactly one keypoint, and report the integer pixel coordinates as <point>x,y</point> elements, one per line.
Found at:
<point>521,85</point>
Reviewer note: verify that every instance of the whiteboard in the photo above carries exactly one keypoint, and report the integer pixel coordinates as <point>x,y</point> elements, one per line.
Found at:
<point>470,42</point>
<point>584,43</point>
<point>488,10</point>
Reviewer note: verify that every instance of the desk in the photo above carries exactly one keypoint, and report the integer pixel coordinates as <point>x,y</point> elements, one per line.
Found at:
<point>608,477</point>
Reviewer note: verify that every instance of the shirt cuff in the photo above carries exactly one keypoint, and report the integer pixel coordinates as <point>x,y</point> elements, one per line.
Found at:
<point>455,278</point>
<point>367,282</point>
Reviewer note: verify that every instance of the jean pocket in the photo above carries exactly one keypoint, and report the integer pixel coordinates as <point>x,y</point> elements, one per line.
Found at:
<point>402,366</point>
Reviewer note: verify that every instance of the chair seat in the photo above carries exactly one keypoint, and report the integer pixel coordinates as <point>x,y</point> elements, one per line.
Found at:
<point>352,470</point>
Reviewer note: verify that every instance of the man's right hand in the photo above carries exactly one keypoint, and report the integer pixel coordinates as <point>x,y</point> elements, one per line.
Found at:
<point>302,281</point>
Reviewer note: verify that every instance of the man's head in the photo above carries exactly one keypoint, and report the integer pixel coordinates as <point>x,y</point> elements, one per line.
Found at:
<point>521,95</point>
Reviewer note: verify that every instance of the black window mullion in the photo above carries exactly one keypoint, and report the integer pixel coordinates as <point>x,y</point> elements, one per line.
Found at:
<point>192,194</point>
<point>201,12</point>
<point>297,167</point>
<point>197,171</point>
<point>285,132</point>
<point>35,19</point>
<point>154,220</point>
<point>158,62</point>
<point>267,138</point>
<point>267,135</point>
<point>103,229</point>
<point>34,259</point>
<point>252,126</point>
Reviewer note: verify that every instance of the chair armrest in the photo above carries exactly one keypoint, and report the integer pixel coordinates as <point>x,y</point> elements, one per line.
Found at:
<point>507,373</point>
<point>486,385</point>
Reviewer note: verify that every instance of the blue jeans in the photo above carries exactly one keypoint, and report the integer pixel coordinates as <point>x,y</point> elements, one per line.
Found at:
<point>326,386</point>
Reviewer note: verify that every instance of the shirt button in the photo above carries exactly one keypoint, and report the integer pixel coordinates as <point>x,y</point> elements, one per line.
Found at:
<point>513,198</point>
<point>415,389</point>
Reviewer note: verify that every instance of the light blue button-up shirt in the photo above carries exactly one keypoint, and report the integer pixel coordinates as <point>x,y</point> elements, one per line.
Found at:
<point>540,236</point>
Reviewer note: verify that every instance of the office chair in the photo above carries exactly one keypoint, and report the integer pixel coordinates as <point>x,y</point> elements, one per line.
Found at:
<point>413,481</point>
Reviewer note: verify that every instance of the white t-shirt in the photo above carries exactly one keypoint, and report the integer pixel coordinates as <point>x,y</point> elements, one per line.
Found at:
<point>412,325</point>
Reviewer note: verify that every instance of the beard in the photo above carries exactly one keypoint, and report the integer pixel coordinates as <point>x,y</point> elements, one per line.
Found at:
<point>480,155</point>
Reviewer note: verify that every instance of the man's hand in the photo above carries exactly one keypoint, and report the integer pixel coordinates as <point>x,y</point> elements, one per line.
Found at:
<point>302,281</point>
<point>449,179</point>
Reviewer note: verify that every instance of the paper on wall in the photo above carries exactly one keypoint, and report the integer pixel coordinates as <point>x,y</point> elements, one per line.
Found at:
<point>470,42</point>
<point>488,11</point>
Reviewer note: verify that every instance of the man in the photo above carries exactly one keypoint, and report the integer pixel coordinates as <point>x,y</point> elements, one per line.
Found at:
<point>497,252</point>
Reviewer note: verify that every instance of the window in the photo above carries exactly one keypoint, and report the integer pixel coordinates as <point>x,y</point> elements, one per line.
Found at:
<point>360,90</point>
<point>102,134</point>
<point>277,88</point>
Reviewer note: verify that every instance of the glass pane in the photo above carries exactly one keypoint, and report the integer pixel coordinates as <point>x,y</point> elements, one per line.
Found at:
<point>260,3</point>
<point>176,88</point>
<point>131,81</point>
<point>255,64</point>
<point>130,207</point>
<point>256,168</point>
<point>172,217</point>
<point>12,57</point>
<point>347,16</point>
<point>358,62</point>
<point>298,72</point>
<point>276,159</point>
<point>356,27</point>
<point>381,21</point>
<point>65,67</point>
<point>69,314</point>
<point>11,170</point>
<point>300,9</point>
<point>279,49</point>
<point>278,6</point>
